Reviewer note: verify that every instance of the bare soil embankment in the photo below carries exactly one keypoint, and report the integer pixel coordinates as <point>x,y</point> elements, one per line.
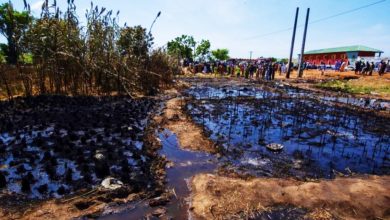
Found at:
<point>216,197</point>
<point>190,135</point>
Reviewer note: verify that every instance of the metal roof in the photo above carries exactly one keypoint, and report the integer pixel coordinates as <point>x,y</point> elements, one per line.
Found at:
<point>355,48</point>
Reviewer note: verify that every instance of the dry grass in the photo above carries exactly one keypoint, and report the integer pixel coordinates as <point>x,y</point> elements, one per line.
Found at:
<point>363,85</point>
<point>316,74</point>
<point>216,197</point>
<point>66,208</point>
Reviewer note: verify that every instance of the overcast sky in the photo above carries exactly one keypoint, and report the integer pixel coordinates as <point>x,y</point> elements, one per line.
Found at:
<point>245,25</point>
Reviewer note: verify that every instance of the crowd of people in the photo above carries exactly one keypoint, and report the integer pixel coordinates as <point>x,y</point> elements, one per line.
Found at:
<point>366,68</point>
<point>267,68</point>
<point>255,69</point>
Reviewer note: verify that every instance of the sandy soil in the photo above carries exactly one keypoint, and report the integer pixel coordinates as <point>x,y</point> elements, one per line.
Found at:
<point>190,135</point>
<point>216,197</point>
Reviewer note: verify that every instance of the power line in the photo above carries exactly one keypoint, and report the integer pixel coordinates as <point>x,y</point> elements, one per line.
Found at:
<point>347,12</point>
<point>318,20</point>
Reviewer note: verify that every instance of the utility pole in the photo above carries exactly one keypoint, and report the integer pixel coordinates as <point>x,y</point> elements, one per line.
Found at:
<point>292,45</point>
<point>300,68</point>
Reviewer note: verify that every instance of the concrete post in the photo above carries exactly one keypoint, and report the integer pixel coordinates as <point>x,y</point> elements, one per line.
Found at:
<point>300,68</point>
<point>292,44</point>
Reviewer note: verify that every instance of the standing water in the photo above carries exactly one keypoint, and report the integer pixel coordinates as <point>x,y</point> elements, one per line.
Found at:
<point>183,165</point>
<point>319,139</point>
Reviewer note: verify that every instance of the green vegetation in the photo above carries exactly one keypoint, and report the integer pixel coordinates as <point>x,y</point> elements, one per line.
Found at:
<point>26,58</point>
<point>2,58</point>
<point>357,86</point>
<point>182,47</point>
<point>202,51</point>
<point>284,60</point>
<point>12,25</point>
<point>220,54</point>
<point>185,47</point>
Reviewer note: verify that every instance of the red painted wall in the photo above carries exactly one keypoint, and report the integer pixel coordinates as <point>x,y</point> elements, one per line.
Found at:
<point>328,58</point>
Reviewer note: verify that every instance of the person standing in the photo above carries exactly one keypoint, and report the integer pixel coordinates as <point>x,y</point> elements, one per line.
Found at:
<point>252,70</point>
<point>242,68</point>
<point>382,68</point>
<point>363,68</point>
<point>283,68</point>
<point>263,70</point>
<point>269,71</point>
<point>204,69</point>
<point>342,67</point>
<point>371,69</point>
<point>258,70</point>
<point>357,66</point>
<point>274,69</point>
<point>247,71</point>
<point>322,68</point>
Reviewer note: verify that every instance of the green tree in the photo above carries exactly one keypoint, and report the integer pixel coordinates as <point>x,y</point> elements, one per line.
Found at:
<point>182,46</point>
<point>220,54</point>
<point>134,40</point>
<point>284,60</point>
<point>12,25</point>
<point>203,50</point>
<point>3,49</point>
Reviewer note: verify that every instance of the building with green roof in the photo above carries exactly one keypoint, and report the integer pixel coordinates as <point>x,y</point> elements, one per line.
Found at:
<point>348,54</point>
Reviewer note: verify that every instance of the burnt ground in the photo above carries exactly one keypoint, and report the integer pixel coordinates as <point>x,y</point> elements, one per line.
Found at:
<point>55,149</point>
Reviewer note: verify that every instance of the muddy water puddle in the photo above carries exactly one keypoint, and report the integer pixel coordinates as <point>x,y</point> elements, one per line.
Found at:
<point>319,139</point>
<point>185,165</point>
<point>182,166</point>
<point>224,88</point>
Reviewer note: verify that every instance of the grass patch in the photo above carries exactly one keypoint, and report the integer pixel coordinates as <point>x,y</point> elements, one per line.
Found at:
<point>358,86</point>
